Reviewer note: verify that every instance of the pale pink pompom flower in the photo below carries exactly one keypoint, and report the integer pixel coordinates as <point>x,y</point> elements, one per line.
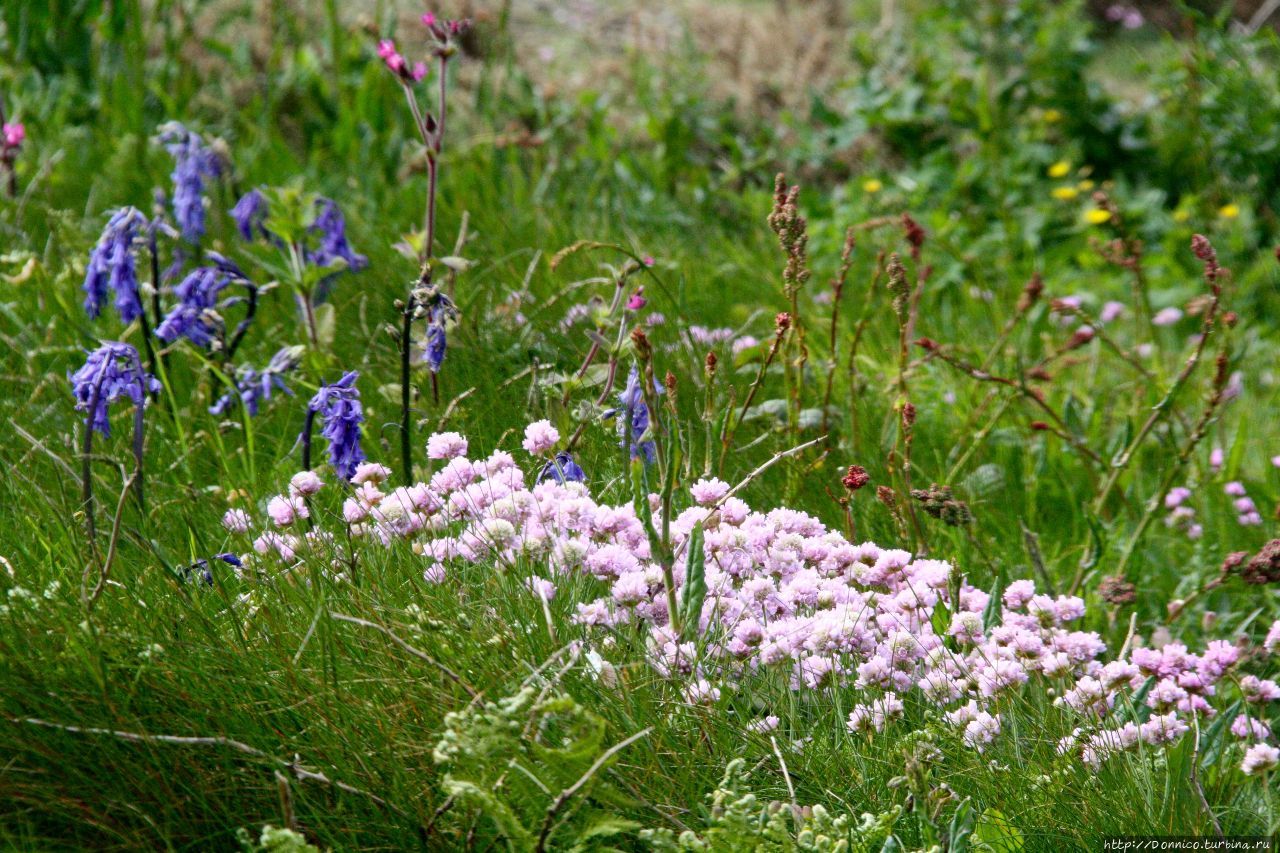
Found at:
<point>286,509</point>
<point>237,521</point>
<point>540,437</point>
<point>446,445</point>
<point>305,483</point>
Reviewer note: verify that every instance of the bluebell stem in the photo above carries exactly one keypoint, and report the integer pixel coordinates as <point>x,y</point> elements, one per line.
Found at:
<point>193,162</point>
<point>338,406</point>
<point>112,265</point>
<point>562,469</point>
<point>430,127</point>
<point>111,372</point>
<point>255,386</point>
<point>250,212</point>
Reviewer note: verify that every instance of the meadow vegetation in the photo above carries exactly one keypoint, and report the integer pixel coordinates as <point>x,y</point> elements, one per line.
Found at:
<point>595,427</point>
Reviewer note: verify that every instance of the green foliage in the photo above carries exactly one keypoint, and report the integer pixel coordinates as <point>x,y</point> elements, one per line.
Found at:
<point>738,821</point>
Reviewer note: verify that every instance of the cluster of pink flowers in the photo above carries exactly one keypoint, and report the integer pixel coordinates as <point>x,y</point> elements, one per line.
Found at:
<point>398,65</point>
<point>785,595</point>
<point>12,135</point>
<point>1182,516</point>
<point>1246,510</point>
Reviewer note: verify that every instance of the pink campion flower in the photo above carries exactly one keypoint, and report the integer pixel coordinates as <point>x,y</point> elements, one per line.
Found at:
<point>429,19</point>
<point>284,510</point>
<point>14,134</point>
<point>418,71</point>
<point>540,437</point>
<point>305,483</point>
<point>446,445</point>
<point>237,521</point>
<point>386,49</point>
<point>636,301</point>
<point>649,261</point>
<point>1260,758</point>
<point>1167,316</point>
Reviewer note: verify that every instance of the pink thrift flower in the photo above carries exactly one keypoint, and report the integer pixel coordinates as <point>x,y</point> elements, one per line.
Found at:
<point>1260,758</point>
<point>540,437</point>
<point>285,510</point>
<point>370,472</point>
<point>433,574</point>
<point>305,483</point>
<point>1235,489</point>
<point>446,445</point>
<point>237,521</point>
<point>1216,458</point>
<point>707,492</point>
<point>1167,316</point>
<point>1272,642</point>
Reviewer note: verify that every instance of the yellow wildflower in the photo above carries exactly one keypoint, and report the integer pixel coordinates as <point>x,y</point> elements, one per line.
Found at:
<point>1085,186</point>
<point>1052,116</point>
<point>872,185</point>
<point>1059,169</point>
<point>1097,216</point>
<point>1065,193</point>
<point>1229,211</point>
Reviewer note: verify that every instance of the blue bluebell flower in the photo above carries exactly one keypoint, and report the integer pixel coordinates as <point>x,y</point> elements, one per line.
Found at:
<point>202,568</point>
<point>110,372</point>
<point>196,317</point>
<point>193,162</point>
<point>255,386</point>
<point>250,213</point>
<point>331,227</point>
<point>562,469</point>
<point>112,266</point>
<point>440,311</point>
<point>633,410</point>
<point>339,407</point>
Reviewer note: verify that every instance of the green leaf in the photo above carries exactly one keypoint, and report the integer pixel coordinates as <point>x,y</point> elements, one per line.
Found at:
<point>694,591</point>
<point>992,611</point>
<point>508,825</point>
<point>326,324</point>
<point>994,832</point>
<point>1213,737</point>
<point>962,823</point>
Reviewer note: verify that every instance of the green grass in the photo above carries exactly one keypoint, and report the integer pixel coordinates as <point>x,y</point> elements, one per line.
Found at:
<point>267,665</point>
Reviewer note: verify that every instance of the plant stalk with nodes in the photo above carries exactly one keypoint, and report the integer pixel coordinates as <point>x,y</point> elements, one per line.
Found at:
<point>425,298</point>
